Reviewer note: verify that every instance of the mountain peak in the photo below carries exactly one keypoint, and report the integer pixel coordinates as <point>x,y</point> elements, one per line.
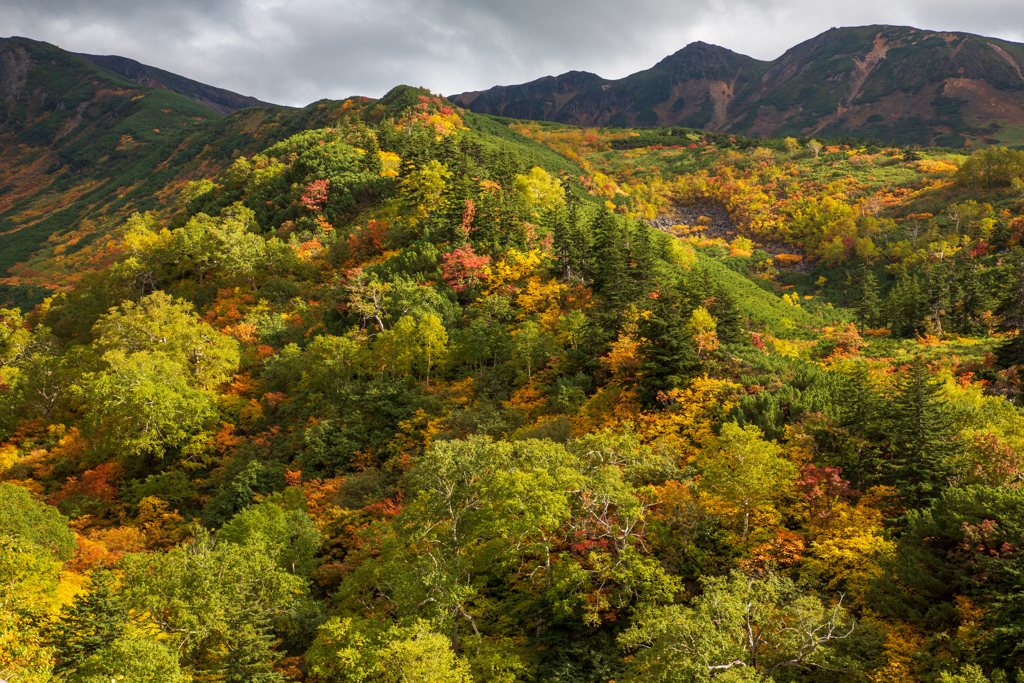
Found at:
<point>898,84</point>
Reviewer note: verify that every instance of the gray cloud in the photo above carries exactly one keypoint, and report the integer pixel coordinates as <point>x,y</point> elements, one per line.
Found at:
<point>297,51</point>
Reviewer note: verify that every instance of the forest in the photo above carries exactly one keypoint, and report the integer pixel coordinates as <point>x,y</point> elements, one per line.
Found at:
<point>426,395</point>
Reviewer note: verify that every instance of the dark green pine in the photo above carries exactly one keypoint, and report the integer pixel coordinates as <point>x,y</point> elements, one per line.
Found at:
<point>906,307</point>
<point>91,622</point>
<point>642,271</point>
<point>922,437</point>
<point>730,323</point>
<point>862,428</point>
<point>668,358</point>
<point>1011,310</point>
<point>867,299</point>
<point>611,277</point>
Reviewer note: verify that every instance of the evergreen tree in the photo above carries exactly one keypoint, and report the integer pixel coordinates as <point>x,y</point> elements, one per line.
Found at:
<point>610,268</point>
<point>867,299</point>
<point>371,155</point>
<point>669,357</point>
<point>922,436</point>
<point>504,165</point>
<point>1011,310</point>
<point>730,323</point>
<point>580,242</point>
<point>561,242</point>
<point>90,623</point>
<point>248,662</point>
<point>967,298</point>
<point>906,307</point>
<point>936,294</point>
<point>861,429</point>
<point>643,275</point>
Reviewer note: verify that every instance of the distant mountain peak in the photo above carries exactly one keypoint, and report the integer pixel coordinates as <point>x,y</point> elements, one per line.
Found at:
<point>895,83</point>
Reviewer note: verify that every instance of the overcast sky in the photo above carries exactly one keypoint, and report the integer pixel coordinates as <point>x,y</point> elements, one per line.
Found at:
<point>298,51</point>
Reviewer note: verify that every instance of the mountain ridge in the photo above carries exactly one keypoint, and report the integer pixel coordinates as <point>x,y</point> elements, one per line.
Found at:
<point>895,83</point>
<point>220,100</point>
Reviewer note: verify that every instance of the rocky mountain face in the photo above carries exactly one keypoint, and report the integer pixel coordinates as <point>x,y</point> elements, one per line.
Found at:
<point>893,83</point>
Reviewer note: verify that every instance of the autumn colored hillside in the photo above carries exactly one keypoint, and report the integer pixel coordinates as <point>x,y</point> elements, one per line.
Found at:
<point>391,391</point>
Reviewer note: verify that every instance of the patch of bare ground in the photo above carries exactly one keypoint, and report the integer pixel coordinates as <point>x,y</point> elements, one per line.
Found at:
<point>713,221</point>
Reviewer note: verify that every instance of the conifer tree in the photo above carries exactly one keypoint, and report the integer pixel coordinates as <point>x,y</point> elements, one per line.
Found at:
<point>580,242</point>
<point>643,275</point>
<point>1011,310</point>
<point>371,155</point>
<point>861,429</point>
<point>610,271</point>
<point>867,299</point>
<point>922,437</point>
<point>90,623</point>
<point>936,294</point>
<point>906,307</point>
<point>669,356</point>
<point>967,299</point>
<point>561,242</point>
<point>730,323</point>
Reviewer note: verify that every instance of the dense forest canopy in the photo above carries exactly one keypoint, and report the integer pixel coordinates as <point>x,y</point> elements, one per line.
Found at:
<point>412,397</point>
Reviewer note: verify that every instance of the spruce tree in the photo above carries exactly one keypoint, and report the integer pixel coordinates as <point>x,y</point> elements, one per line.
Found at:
<point>643,275</point>
<point>730,323</point>
<point>862,428</point>
<point>967,298</point>
<point>91,622</point>
<point>922,437</point>
<point>669,357</point>
<point>1011,310</point>
<point>867,299</point>
<point>906,307</point>
<point>936,294</point>
<point>580,243</point>
<point>610,274</point>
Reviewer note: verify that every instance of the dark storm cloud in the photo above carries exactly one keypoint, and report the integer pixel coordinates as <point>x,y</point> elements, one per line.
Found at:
<point>298,51</point>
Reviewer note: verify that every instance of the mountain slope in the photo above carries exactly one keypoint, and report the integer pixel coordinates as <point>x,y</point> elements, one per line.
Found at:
<point>894,83</point>
<point>81,148</point>
<point>220,100</point>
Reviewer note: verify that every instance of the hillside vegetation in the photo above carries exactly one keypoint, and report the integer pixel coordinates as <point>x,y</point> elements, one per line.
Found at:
<point>391,391</point>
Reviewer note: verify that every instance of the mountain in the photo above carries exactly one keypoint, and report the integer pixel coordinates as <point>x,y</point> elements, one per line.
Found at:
<point>894,83</point>
<point>220,100</point>
<point>82,147</point>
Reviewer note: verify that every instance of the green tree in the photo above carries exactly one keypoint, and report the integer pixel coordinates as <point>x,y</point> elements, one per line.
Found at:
<point>669,354</point>
<point>92,622</point>
<point>923,441</point>
<point>227,245</point>
<point>1011,309</point>
<point>365,651</point>
<point>37,523</point>
<point>867,299</point>
<point>610,266</point>
<point>132,657</point>
<point>287,535</point>
<point>217,602</point>
<point>906,306</point>
<point>963,545</point>
<point>542,191</point>
<point>741,628</point>
<point>744,470</point>
<point>161,324</point>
